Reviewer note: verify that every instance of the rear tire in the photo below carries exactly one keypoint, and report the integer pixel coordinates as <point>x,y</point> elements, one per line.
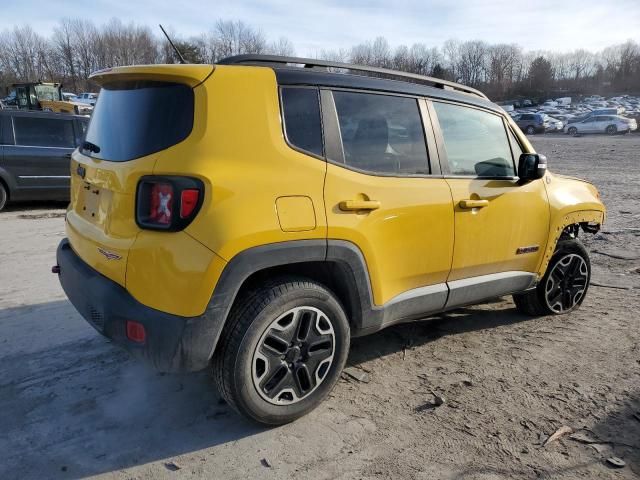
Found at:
<point>4,196</point>
<point>611,130</point>
<point>530,130</point>
<point>564,284</point>
<point>282,350</point>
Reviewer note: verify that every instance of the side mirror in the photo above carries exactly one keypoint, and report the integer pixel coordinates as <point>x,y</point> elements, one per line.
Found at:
<point>531,166</point>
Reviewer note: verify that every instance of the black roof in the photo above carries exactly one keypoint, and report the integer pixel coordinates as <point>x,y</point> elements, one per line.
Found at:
<point>305,71</point>
<point>299,76</point>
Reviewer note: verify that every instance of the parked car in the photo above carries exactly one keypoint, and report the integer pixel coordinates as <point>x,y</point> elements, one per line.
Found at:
<point>35,153</point>
<point>10,100</point>
<point>610,124</point>
<point>69,97</point>
<point>531,123</point>
<point>554,125</point>
<point>89,98</point>
<point>191,247</point>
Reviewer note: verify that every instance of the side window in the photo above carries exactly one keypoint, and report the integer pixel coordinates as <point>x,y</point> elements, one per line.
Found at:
<point>301,110</point>
<point>475,141</point>
<point>43,132</point>
<point>382,133</point>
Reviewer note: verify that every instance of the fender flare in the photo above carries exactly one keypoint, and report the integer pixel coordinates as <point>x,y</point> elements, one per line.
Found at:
<point>256,259</point>
<point>365,318</point>
<point>558,226</point>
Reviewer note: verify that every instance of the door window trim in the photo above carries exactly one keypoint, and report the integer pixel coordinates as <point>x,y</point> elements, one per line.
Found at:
<point>444,161</point>
<point>334,149</point>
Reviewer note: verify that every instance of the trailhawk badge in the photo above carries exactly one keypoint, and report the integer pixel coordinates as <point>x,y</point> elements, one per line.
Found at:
<point>530,249</point>
<point>109,255</point>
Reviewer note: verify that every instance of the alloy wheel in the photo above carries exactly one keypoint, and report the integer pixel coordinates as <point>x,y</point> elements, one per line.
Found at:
<point>293,355</point>
<point>566,283</point>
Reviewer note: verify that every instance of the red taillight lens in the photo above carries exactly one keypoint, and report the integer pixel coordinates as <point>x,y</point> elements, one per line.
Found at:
<point>136,332</point>
<point>188,202</point>
<point>161,203</point>
<point>168,203</point>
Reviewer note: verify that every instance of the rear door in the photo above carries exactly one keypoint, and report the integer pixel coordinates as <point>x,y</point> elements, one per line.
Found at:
<point>501,226</point>
<point>382,192</point>
<point>39,156</point>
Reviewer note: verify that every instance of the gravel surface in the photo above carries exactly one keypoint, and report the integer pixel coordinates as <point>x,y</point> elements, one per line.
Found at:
<point>473,394</point>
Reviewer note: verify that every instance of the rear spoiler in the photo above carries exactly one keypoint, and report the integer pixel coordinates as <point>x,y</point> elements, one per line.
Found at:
<point>191,75</point>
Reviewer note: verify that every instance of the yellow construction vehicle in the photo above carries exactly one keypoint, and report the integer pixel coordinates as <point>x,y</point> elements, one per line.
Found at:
<point>48,97</point>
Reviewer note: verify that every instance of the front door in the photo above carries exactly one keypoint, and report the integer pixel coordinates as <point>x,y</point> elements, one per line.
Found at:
<point>380,193</point>
<point>501,226</point>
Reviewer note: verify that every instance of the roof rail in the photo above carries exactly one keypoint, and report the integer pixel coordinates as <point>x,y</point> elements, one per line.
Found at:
<point>251,59</point>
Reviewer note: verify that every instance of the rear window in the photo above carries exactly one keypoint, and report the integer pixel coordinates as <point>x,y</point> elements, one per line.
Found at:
<point>137,118</point>
<point>43,132</point>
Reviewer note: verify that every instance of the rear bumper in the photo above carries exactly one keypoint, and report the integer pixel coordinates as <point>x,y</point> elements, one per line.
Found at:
<point>173,343</point>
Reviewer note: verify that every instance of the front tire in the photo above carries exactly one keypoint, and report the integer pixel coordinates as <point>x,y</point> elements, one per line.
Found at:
<point>564,284</point>
<point>572,130</point>
<point>611,130</point>
<point>282,350</point>
<point>530,130</point>
<point>4,196</point>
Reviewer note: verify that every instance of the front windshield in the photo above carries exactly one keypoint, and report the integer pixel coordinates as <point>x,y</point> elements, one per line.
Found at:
<point>47,92</point>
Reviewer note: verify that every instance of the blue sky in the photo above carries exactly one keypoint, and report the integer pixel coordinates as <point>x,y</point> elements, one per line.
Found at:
<point>561,25</point>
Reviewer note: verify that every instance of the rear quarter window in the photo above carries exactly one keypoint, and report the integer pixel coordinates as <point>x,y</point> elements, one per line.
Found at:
<point>301,112</point>
<point>133,119</point>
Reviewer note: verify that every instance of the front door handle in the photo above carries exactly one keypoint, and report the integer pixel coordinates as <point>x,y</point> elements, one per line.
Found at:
<point>473,203</point>
<point>355,205</point>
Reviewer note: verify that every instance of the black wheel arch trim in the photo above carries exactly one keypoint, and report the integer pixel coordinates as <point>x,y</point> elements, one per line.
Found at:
<point>365,316</point>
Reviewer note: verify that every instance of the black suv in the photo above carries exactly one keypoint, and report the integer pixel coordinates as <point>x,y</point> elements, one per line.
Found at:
<point>35,153</point>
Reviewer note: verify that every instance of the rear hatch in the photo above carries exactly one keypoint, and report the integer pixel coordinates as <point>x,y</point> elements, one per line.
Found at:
<point>140,113</point>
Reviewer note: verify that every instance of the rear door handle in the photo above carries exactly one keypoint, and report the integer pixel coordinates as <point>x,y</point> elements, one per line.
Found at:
<point>473,203</point>
<point>355,205</point>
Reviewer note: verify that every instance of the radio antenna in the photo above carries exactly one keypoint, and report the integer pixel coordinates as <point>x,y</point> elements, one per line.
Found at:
<point>175,49</point>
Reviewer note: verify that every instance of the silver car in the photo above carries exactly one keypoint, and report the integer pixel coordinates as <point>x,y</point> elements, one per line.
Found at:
<point>610,124</point>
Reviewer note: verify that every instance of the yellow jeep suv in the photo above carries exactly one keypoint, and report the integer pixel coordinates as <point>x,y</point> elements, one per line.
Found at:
<point>254,215</point>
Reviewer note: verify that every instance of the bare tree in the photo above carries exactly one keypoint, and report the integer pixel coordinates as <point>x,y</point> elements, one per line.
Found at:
<point>472,62</point>
<point>77,47</point>
<point>283,46</point>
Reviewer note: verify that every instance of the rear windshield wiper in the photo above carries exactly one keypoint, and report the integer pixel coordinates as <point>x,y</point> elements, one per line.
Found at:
<point>92,147</point>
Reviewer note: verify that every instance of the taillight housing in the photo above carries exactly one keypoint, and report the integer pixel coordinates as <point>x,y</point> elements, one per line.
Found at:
<point>168,203</point>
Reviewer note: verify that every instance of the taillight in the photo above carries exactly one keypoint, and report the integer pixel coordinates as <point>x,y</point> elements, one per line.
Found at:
<point>188,202</point>
<point>168,203</point>
<point>161,201</point>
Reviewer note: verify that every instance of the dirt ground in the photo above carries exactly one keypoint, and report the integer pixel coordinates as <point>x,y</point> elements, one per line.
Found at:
<point>72,405</point>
